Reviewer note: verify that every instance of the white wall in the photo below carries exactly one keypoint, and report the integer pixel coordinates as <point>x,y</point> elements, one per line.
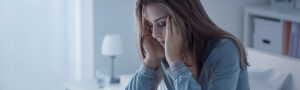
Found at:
<point>228,14</point>
<point>78,29</point>
<point>87,38</point>
<point>30,50</point>
<point>115,17</point>
<point>40,42</point>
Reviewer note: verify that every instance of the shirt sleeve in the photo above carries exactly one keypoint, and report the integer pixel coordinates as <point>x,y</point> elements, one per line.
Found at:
<point>143,79</point>
<point>224,71</point>
<point>225,67</point>
<point>182,77</point>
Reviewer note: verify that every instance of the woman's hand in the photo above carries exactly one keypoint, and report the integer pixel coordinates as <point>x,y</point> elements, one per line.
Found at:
<point>173,43</point>
<point>154,51</point>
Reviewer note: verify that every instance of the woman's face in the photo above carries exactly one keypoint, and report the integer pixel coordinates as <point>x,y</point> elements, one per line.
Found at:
<point>156,17</point>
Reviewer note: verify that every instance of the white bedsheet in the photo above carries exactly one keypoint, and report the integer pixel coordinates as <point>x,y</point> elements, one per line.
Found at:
<point>266,79</point>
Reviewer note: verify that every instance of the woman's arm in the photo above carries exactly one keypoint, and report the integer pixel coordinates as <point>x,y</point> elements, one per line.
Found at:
<point>224,71</point>
<point>143,79</point>
<point>182,78</point>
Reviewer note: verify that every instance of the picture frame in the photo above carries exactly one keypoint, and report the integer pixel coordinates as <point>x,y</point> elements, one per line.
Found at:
<point>283,3</point>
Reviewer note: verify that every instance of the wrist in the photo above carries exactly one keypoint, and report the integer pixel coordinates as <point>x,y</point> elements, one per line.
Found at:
<point>151,64</point>
<point>172,61</point>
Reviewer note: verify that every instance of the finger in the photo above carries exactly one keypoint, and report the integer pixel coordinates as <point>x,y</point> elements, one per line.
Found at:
<point>169,27</point>
<point>145,27</point>
<point>174,30</point>
<point>168,32</point>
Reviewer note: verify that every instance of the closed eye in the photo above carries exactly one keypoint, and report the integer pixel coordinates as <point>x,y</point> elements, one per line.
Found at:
<point>162,24</point>
<point>150,25</point>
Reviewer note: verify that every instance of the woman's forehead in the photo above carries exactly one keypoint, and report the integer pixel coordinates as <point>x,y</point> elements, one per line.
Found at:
<point>154,11</point>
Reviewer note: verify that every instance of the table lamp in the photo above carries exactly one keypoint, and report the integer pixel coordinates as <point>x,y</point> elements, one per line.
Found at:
<point>112,46</point>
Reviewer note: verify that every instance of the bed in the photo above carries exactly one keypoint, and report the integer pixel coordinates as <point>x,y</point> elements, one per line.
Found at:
<point>272,66</point>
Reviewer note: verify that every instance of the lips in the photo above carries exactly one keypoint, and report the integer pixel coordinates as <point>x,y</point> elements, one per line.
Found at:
<point>162,43</point>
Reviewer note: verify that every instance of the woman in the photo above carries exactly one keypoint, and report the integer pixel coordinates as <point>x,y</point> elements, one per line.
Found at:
<point>182,47</point>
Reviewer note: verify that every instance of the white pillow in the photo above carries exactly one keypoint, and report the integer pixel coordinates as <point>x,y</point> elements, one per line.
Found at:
<point>266,79</point>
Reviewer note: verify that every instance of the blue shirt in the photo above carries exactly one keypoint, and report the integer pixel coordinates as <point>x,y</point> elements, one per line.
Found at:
<point>221,71</point>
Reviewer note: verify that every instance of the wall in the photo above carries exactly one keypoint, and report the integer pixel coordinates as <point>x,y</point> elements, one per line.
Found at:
<point>30,45</point>
<point>115,17</point>
<point>228,14</point>
<point>45,44</point>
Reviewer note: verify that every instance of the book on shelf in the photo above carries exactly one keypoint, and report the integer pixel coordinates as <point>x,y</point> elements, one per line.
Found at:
<point>288,35</point>
<point>298,43</point>
<point>293,40</point>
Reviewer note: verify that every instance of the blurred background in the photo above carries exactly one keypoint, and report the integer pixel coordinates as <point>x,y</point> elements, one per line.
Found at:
<point>58,44</point>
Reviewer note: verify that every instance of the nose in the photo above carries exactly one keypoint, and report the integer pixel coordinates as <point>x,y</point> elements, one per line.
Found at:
<point>156,33</point>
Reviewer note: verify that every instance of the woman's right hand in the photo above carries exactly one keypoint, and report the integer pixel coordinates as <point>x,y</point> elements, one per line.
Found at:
<point>154,51</point>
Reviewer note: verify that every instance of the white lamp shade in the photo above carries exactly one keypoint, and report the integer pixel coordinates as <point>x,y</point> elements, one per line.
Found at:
<point>112,45</point>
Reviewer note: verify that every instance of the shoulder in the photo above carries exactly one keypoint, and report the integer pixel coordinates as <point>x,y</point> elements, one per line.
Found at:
<point>223,50</point>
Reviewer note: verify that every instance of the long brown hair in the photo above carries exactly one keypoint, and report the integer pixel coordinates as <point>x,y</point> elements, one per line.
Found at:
<point>195,26</point>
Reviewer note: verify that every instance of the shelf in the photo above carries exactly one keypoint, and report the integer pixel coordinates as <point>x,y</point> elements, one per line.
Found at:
<point>268,12</point>
<point>274,12</point>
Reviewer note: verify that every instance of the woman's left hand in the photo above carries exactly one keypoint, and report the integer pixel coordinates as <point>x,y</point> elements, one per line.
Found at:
<point>173,42</point>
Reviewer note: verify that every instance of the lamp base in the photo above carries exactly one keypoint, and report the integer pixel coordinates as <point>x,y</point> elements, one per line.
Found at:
<point>114,80</point>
